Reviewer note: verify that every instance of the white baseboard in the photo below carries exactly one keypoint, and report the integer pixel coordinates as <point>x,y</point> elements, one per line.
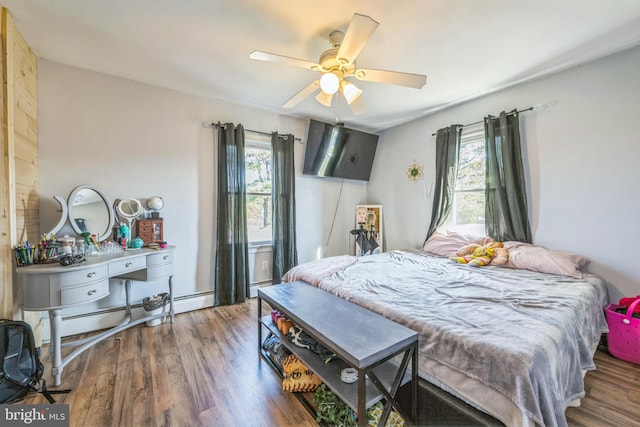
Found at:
<point>104,319</point>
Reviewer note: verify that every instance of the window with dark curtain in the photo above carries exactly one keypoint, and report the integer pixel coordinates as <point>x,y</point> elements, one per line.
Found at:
<point>506,213</point>
<point>285,255</point>
<point>231,264</point>
<point>505,205</point>
<point>447,149</point>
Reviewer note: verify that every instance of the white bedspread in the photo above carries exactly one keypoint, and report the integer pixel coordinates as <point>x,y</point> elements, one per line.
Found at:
<point>528,336</point>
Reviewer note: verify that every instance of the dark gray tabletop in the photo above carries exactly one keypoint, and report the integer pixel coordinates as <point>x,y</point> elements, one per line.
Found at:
<point>355,334</point>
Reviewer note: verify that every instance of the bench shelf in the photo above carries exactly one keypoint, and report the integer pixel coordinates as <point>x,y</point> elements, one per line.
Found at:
<point>378,348</point>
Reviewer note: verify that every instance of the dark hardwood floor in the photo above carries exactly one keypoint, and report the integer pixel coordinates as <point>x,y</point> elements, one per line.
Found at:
<point>204,370</point>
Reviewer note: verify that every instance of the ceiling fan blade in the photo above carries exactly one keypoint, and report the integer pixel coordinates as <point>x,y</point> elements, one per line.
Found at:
<point>272,57</point>
<point>324,98</point>
<point>357,35</point>
<point>298,97</point>
<point>416,81</point>
<point>358,107</point>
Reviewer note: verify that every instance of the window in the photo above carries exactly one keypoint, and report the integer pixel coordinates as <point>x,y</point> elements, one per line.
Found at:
<point>467,213</point>
<point>258,181</point>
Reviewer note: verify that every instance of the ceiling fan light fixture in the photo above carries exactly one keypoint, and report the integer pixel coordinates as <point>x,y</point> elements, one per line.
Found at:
<point>350,91</point>
<point>329,83</point>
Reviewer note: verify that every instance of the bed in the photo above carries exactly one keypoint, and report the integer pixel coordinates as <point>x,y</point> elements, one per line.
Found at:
<point>514,343</point>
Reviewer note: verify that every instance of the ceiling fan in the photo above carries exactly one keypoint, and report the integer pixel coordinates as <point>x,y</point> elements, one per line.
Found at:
<point>338,63</point>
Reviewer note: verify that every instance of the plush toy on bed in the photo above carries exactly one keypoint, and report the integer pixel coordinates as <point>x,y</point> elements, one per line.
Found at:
<point>477,255</point>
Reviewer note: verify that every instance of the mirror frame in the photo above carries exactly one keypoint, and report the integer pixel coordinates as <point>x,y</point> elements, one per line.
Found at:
<point>105,199</point>
<point>129,218</point>
<point>63,216</point>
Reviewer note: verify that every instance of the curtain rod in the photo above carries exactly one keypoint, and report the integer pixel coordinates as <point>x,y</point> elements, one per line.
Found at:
<point>480,121</point>
<point>255,131</point>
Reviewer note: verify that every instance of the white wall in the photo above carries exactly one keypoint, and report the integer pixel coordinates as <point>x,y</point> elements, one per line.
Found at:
<point>581,155</point>
<point>135,140</point>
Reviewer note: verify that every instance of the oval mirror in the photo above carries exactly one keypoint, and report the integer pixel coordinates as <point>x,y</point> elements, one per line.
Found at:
<point>90,211</point>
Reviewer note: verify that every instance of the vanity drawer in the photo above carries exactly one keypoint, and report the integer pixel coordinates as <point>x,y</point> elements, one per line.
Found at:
<point>150,273</point>
<point>71,295</point>
<point>127,265</point>
<point>161,258</point>
<point>159,271</point>
<point>84,275</point>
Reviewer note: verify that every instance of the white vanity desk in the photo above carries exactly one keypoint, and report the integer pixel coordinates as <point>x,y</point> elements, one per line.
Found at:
<point>53,287</point>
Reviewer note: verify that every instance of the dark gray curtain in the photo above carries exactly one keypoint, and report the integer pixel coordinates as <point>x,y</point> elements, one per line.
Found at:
<point>506,216</point>
<point>447,149</point>
<point>232,268</point>
<point>285,254</point>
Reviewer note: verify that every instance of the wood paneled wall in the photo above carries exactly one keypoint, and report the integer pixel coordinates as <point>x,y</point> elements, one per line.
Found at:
<point>23,127</point>
<point>19,201</point>
<point>6,172</point>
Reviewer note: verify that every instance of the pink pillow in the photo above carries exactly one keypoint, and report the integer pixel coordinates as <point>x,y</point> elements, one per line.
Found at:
<point>536,258</point>
<point>446,243</point>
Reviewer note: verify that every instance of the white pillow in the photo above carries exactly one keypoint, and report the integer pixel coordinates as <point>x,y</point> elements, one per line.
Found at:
<point>536,258</point>
<point>447,243</point>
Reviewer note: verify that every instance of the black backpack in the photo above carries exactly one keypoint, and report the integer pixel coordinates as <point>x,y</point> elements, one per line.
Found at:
<point>21,370</point>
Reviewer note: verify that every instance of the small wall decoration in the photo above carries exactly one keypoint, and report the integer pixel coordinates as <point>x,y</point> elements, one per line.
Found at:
<point>414,172</point>
<point>368,231</point>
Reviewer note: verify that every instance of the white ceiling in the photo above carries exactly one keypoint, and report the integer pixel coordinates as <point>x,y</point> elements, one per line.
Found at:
<point>465,47</point>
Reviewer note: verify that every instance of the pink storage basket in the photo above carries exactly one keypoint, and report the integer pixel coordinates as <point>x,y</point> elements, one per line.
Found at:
<point>623,339</point>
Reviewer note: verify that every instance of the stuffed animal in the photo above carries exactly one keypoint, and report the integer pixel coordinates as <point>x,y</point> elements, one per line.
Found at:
<point>477,255</point>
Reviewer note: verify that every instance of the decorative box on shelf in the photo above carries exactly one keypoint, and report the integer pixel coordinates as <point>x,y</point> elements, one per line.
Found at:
<point>150,230</point>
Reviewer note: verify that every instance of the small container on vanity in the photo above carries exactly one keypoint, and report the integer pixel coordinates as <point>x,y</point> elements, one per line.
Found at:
<point>150,230</point>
